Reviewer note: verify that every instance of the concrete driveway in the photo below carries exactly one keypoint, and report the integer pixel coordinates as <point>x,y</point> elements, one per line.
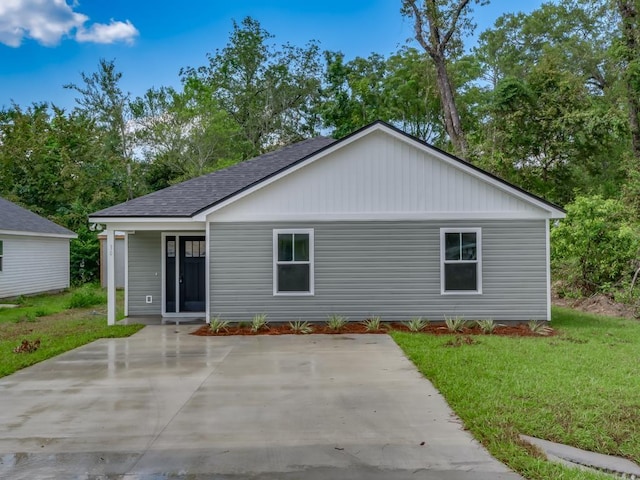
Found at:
<point>164,404</point>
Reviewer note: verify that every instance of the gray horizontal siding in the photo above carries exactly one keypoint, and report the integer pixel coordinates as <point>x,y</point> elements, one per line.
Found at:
<point>391,269</point>
<point>145,273</point>
<point>33,265</point>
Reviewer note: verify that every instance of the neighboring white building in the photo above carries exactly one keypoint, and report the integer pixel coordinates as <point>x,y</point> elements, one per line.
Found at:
<point>34,252</point>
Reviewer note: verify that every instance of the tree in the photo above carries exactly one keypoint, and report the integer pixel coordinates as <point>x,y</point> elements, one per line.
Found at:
<point>184,134</point>
<point>438,27</point>
<point>595,246</point>
<point>268,91</point>
<point>102,99</point>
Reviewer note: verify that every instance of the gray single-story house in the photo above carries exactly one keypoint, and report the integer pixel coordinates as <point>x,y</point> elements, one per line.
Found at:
<point>34,252</point>
<point>376,223</point>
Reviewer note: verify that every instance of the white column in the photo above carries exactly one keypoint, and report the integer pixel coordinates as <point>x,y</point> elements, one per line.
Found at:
<point>111,277</point>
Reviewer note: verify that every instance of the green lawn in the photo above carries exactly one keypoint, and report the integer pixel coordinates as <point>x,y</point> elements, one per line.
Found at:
<point>581,388</point>
<point>50,319</point>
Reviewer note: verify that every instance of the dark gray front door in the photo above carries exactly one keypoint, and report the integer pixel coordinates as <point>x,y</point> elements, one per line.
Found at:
<point>192,274</point>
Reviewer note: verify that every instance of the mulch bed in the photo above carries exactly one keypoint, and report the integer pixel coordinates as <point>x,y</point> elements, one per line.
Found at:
<point>521,330</point>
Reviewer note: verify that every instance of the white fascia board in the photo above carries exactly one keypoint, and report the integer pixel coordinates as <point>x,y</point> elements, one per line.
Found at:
<point>550,211</point>
<point>385,216</point>
<point>142,223</point>
<point>37,234</point>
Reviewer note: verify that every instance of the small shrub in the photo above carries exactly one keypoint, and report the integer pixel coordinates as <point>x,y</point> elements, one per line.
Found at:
<point>417,324</point>
<point>218,325</point>
<point>455,324</point>
<point>487,326</point>
<point>42,312</point>
<point>372,324</point>
<point>336,322</point>
<point>87,296</point>
<point>300,327</point>
<point>540,328</point>
<point>259,322</point>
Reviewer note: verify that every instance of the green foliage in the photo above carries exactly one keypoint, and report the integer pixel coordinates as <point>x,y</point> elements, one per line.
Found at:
<point>455,324</point>
<point>217,325</point>
<point>487,326</point>
<point>577,388</point>
<point>87,296</point>
<point>372,324</point>
<point>595,246</point>
<point>300,327</point>
<point>539,328</point>
<point>417,324</point>
<point>336,322</point>
<point>258,322</point>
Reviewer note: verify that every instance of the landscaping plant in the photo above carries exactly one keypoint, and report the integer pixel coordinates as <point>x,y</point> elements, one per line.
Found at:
<point>372,324</point>
<point>300,327</point>
<point>336,322</point>
<point>417,324</point>
<point>259,322</point>
<point>455,324</point>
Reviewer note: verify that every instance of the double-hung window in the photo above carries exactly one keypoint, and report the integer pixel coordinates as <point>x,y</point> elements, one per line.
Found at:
<point>293,262</point>
<point>461,260</point>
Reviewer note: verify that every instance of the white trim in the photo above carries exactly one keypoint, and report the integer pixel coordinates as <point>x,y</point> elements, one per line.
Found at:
<point>111,278</point>
<point>154,224</point>
<point>311,263</point>
<point>548,259</point>
<point>126,273</point>
<point>183,315</point>
<point>379,216</point>
<point>477,261</point>
<point>551,211</point>
<point>207,274</point>
<point>37,234</point>
<point>163,280</point>
<point>1,254</point>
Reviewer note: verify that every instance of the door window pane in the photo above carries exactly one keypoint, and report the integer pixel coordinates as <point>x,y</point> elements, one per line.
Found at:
<point>188,248</point>
<point>203,248</point>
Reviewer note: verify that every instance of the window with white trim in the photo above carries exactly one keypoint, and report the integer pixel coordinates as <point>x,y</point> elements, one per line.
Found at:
<point>1,254</point>
<point>461,260</point>
<point>293,261</point>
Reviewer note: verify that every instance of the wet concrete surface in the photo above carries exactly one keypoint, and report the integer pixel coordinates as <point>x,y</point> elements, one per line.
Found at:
<point>163,404</point>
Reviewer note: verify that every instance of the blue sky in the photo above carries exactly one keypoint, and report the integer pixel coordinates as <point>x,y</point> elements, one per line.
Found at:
<point>45,44</point>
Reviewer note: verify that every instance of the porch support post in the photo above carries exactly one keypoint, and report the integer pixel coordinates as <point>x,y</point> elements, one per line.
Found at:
<point>111,277</point>
<point>207,274</point>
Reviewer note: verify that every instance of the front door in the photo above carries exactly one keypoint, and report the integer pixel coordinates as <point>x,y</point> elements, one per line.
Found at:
<point>191,278</point>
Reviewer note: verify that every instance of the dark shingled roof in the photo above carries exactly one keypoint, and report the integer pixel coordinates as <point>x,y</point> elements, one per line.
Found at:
<point>193,196</point>
<point>18,219</point>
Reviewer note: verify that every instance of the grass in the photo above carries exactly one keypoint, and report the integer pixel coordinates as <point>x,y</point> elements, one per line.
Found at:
<point>59,328</point>
<point>581,388</point>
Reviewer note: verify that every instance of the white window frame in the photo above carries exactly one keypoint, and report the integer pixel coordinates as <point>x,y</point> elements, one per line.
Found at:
<point>310,262</point>
<point>477,261</point>
<point>1,255</point>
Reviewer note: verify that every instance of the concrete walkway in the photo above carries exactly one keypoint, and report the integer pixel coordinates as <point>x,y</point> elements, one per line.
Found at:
<point>164,404</point>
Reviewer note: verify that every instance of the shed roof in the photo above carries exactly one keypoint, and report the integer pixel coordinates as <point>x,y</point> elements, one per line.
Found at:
<point>14,218</point>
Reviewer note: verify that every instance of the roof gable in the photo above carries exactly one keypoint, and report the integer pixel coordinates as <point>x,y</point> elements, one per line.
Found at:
<point>382,174</point>
<point>18,220</point>
<point>193,196</point>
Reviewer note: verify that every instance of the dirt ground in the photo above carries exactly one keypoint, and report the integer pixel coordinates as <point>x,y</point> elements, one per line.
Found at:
<point>598,304</point>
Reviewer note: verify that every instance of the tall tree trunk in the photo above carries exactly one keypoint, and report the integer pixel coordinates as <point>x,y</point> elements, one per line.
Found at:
<point>434,37</point>
<point>449,109</point>
<point>628,10</point>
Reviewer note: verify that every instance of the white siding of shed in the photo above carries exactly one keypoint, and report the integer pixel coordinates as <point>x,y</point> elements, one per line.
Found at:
<point>381,178</point>
<point>33,265</point>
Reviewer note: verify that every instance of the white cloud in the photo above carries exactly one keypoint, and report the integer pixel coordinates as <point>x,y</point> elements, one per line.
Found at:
<point>111,33</point>
<point>48,21</point>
